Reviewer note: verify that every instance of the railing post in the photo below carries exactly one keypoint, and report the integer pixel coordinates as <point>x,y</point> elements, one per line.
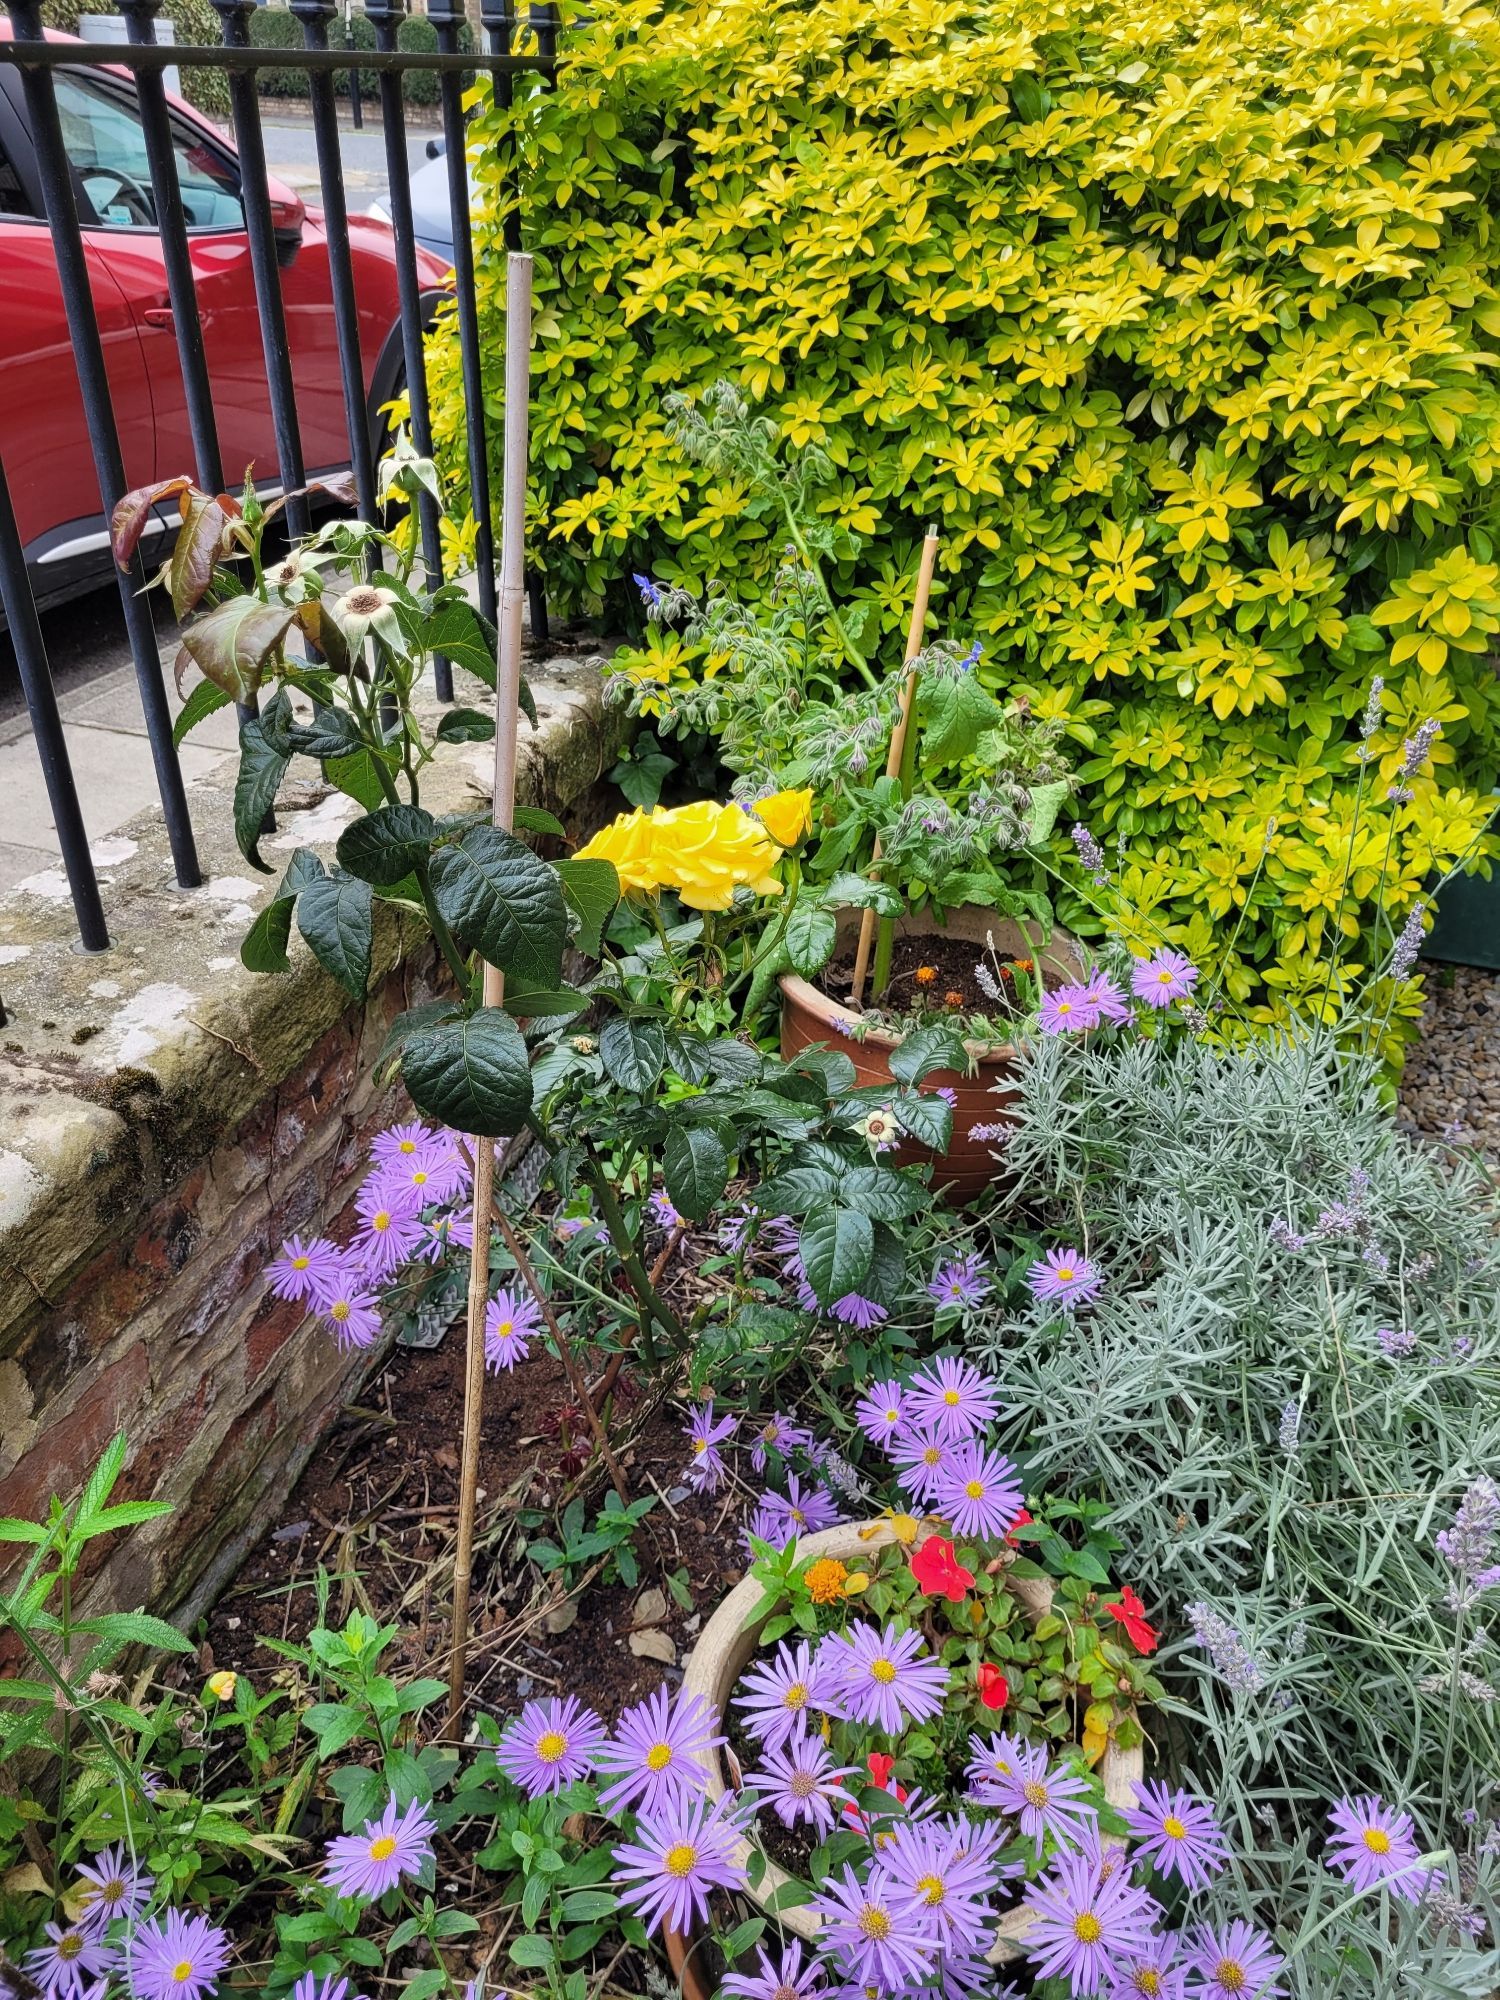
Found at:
<point>385,17</point>
<point>46,728</point>
<point>56,180</point>
<point>446,16</point>
<point>251,146</point>
<point>315,15</point>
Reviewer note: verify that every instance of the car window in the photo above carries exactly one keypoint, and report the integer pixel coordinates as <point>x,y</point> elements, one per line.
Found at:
<point>102,133</point>
<point>12,195</point>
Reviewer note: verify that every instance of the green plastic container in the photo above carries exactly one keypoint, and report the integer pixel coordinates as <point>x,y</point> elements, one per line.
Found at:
<point>1466,930</point>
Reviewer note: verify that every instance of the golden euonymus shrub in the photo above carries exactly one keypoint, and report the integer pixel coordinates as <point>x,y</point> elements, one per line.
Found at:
<point>1182,323</point>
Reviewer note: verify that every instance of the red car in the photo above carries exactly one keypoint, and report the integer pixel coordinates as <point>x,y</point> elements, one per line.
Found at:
<point>43,439</point>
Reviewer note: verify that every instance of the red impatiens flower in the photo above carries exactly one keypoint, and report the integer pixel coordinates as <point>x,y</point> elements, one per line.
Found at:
<point>1131,1613</point>
<point>1022,1520</point>
<point>994,1688</point>
<point>938,1571</point>
<point>880,1767</point>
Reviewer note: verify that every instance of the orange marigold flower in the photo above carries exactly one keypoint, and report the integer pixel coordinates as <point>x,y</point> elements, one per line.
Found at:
<point>951,999</point>
<point>925,975</point>
<point>1023,965</point>
<point>826,1580</point>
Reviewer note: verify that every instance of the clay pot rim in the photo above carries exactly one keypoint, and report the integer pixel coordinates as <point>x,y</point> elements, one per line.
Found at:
<point>727,1643</point>
<point>802,993</point>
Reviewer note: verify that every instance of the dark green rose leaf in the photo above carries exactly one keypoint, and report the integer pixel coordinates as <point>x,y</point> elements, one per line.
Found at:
<point>471,1075</point>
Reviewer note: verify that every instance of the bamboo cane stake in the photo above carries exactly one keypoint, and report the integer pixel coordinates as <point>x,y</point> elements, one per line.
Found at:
<point>507,708</point>
<point>898,734</point>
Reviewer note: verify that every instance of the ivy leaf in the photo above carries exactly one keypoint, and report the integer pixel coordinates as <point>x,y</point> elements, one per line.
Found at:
<point>695,1167</point>
<point>386,845</point>
<point>503,901</point>
<point>836,1246</point>
<point>634,1053</point>
<point>335,914</point>
<point>472,1075</point>
<point>811,934</point>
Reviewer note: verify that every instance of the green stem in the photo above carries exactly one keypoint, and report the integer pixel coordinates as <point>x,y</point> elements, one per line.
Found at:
<point>65,1749</point>
<point>852,653</point>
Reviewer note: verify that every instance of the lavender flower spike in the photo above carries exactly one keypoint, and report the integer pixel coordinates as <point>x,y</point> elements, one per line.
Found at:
<point>1233,1661</point>
<point>1091,854</point>
<point>1408,945</point>
<point>1469,1544</point>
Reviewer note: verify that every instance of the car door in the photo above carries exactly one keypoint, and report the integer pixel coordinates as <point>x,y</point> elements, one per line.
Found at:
<point>43,436</point>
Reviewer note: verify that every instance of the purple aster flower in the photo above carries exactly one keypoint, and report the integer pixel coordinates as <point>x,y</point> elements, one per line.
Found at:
<point>878,1930</point>
<point>786,1978</point>
<point>799,1779</point>
<point>72,1953</point>
<point>979,1492</point>
<point>434,1172</point>
<point>400,1142</point>
<point>351,1311</point>
<point>332,1986</point>
<point>706,1468</point>
<point>778,1434</point>
<point>777,1694</point>
<point>117,1887</point>
<point>736,1232</point>
<point>1084,1926</point>
<point>175,1957</point>
<point>303,1267</point>
<point>1040,1801</point>
<point>766,1525</point>
<point>1163,977</point>
<point>1371,1844</point>
<point>853,1309</point>
<point>880,1412</point>
<point>390,1229</point>
<point>1235,1962</point>
<point>1067,1010</point>
<point>990,1762</point>
<point>652,1760</point>
<point>952,1398</point>
<point>1153,1974</point>
<point>1066,1276</point>
<point>1178,1833</point>
<point>1107,1001</point>
<point>550,1745</point>
<point>660,1212</point>
<point>512,1320</point>
<point>877,1677</point>
<point>949,1870</point>
<point>681,1852</point>
<point>568,1226</point>
<point>365,1864</point>
<point>806,1511</point>
<point>960,1281</point>
<point>921,1458</point>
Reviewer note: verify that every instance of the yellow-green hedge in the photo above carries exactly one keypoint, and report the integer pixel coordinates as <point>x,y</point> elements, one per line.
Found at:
<point>1181,320</point>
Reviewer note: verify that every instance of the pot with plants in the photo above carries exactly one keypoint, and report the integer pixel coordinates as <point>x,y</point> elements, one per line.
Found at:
<point>883,1683</point>
<point>921,937</point>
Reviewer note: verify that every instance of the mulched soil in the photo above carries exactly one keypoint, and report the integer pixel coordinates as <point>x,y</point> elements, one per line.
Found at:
<point>951,958</point>
<point>376,1507</point>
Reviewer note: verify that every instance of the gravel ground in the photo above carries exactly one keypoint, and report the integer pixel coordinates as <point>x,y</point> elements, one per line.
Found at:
<point>1452,1075</point>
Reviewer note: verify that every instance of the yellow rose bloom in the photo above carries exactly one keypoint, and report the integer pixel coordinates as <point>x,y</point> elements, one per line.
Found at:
<point>707,851</point>
<point>222,1686</point>
<point>628,842</point>
<point>786,816</point>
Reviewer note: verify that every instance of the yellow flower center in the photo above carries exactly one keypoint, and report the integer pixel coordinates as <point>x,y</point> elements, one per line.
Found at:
<point>1064,1006</point>
<point>301,1263</point>
<point>1148,1981</point>
<point>795,1696</point>
<point>1164,979</point>
<point>1065,1272</point>
<point>419,1178</point>
<point>504,1328</point>
<point>883,1671</point>
<point>803,1785</point>
<point>70,1945</point>
<point>1230,1975</point>
<point>658,1756</point>
<point>113,1891</point>
<point>1034,1793</point>
<point>952,1398</point>
<point>975,1489</point>
<point>339,1309</point>
<point>1087,1927</point>
<point>933,1455</point>
<point>1173,1828</point>
<point>798,1516</point>
<point>681,1860</point>
<point>384,1848</point>
<point>1377,1841</point>
<point>874,1923</point>
<point>182,1971</point>
<point>551,1745</point>
<point>892,1416</point>
<point>408,1146</point>
<point>932,1890</point>
<point>700,1445</point>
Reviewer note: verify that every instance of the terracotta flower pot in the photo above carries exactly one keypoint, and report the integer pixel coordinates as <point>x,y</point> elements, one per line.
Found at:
<point>725,1647</point>
<point>808,1015</point>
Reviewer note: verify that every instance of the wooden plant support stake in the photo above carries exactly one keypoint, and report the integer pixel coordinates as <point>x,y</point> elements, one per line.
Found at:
<point>507,709</point>
<point>899,733</point>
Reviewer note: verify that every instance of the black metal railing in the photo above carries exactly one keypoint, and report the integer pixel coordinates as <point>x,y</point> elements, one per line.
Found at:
<point>37,59</point>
